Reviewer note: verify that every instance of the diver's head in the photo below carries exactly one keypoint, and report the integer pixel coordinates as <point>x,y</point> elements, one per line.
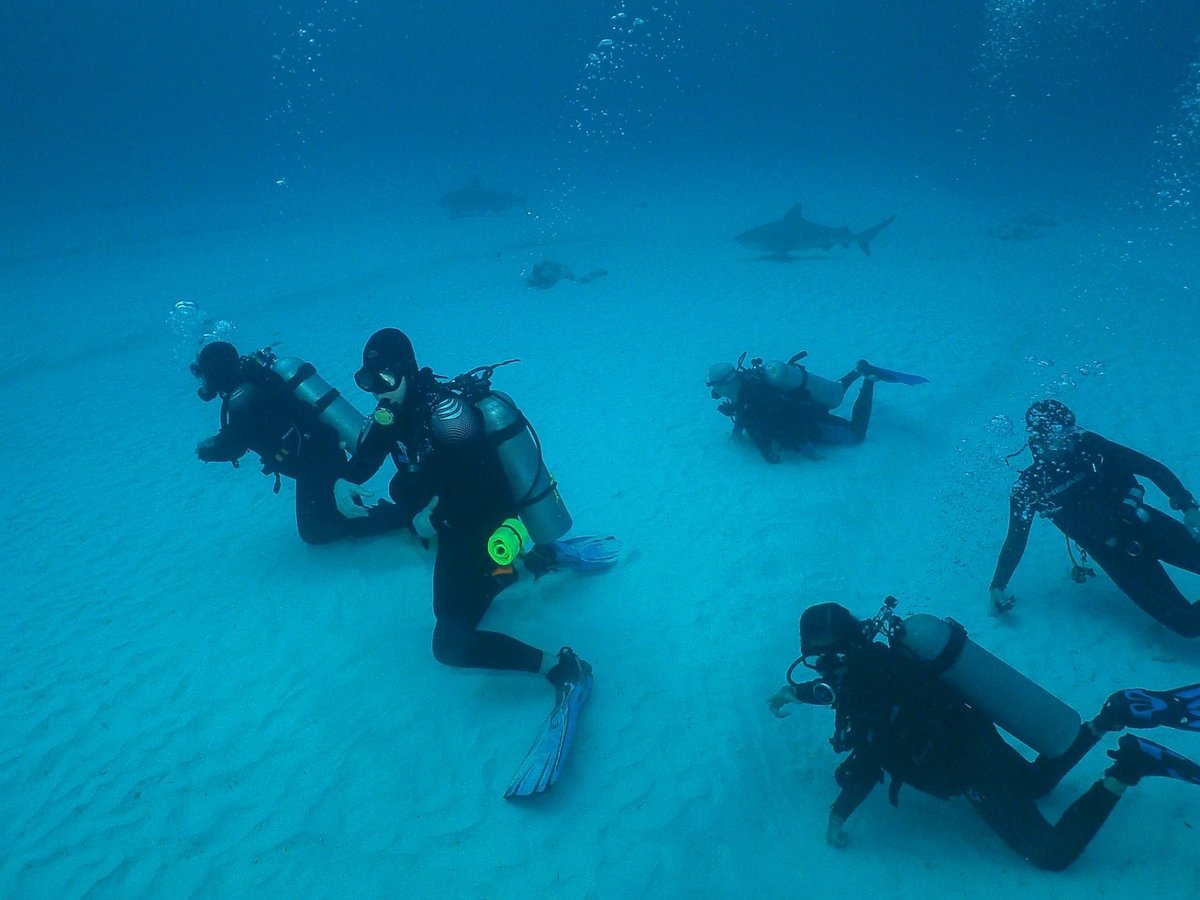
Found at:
<point>725,381</point>
<point>828,633</point>
<point>389,365</point>
<point>1050,425</point>
<point>218,366</point>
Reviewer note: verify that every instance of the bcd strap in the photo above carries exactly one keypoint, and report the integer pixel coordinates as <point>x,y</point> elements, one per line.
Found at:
<point>952,650</point>
<point>509,431</point>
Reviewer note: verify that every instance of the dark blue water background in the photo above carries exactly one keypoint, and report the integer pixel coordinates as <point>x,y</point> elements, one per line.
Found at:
<point>138,101</point>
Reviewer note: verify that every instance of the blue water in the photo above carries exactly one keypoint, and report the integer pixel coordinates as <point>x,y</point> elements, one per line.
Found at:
<point>194,704</point>
<point>158,99</point>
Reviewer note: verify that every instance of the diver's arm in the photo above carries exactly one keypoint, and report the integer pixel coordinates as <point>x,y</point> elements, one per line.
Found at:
<point>857,777</point>
<point>814,693</point>
<point>221,447</point>
<point>1141,464</point>
<point>763,436</point>
<point>1020,519</point>
<point>374,445</point>
<point>240,411</point>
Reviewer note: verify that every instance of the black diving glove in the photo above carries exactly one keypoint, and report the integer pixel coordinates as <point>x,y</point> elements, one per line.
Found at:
<point>210,450</point>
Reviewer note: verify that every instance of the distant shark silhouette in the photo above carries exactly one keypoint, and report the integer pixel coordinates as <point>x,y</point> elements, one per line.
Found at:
<point>794,232</point>
<point>475,200</point>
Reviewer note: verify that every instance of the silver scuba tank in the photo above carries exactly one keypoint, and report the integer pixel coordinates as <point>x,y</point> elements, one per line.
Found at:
<point>1024,709</point>
<point>332,408</point>
<point>538,502</point>
<point>794,378</point>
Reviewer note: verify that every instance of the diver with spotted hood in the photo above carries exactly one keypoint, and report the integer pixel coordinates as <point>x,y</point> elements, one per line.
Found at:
<point>1087,486</point>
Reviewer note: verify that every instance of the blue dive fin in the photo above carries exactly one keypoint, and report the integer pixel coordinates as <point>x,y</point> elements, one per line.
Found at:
<point>588,552</point>
<point>890,376</point>
<point>1141,708</point>
<point>544,761</point>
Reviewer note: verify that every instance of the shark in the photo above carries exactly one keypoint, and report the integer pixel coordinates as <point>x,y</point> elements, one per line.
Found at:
<point>475,200</point>
<point>794,232</point>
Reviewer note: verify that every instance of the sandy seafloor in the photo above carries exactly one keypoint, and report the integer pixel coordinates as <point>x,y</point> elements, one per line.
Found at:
<point>195,704</point>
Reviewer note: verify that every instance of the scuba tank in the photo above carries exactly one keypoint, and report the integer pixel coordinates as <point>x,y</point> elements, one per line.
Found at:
<point>312,390</point>
<point>539,505</point>
<point>792,378</point>
<point>1013,702</point>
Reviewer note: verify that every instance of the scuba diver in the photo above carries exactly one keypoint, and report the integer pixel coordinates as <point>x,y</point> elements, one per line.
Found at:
<point>470,473</point>
<point>783,406</point>
<point>928,718</point>
<point>1085,484</point>
<point>281,409</point>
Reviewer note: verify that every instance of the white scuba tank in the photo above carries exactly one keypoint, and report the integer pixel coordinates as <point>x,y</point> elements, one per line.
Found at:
<point>332,408</point>
<point>794,378</point>
<point>1024,709</point>
<point>539,505</point>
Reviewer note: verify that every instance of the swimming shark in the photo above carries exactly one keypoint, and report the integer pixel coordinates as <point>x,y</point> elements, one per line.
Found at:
<point>475,200</point>
<point>794,232</point>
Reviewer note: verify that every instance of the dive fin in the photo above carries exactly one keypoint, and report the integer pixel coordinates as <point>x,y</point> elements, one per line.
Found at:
<point>544,761</point>
<point>889,376</point>
<point>588,552</point>
<point>1141,708</point>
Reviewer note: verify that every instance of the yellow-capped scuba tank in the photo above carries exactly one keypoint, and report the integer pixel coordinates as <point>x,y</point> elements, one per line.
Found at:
<point>791,377</point>
<point>539,505</point>
<point>1024,709</point>
<point>310,388</point>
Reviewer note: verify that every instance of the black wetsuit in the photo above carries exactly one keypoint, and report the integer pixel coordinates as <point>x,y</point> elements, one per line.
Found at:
<point>777,419</point>
<point>1084,493</point>
<point>459,466</point>
<point>893,715</point>
<point>262,416</point>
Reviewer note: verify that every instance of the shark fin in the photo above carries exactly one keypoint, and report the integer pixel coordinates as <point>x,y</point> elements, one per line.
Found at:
<point>864,238</point>
<point>796,212</point>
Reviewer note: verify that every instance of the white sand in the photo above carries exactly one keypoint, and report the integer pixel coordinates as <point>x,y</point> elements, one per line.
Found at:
<point>196,704</point>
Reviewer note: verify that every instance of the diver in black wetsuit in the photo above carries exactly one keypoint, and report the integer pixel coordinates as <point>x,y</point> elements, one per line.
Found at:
<point>262,412</point>
<point>1086,485</point>
<point>449,479</point>
<point>783,406</point>
<point>894,715</point>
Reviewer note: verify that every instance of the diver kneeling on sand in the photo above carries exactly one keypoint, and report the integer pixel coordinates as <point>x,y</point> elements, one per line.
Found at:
<point>470,473</point>
<point>783,406</point>
<point>925,706</point>
<point>280,408</point>
<point>1087,486</point>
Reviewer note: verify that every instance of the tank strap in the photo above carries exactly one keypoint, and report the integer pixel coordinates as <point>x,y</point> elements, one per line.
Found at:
<point>950,653</point>
<point>304,370</point>
<point>529,501</point>
<point>511,430</point>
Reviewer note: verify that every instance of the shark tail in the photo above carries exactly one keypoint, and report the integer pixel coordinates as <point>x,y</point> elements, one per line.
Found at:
<point>864,238</point>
